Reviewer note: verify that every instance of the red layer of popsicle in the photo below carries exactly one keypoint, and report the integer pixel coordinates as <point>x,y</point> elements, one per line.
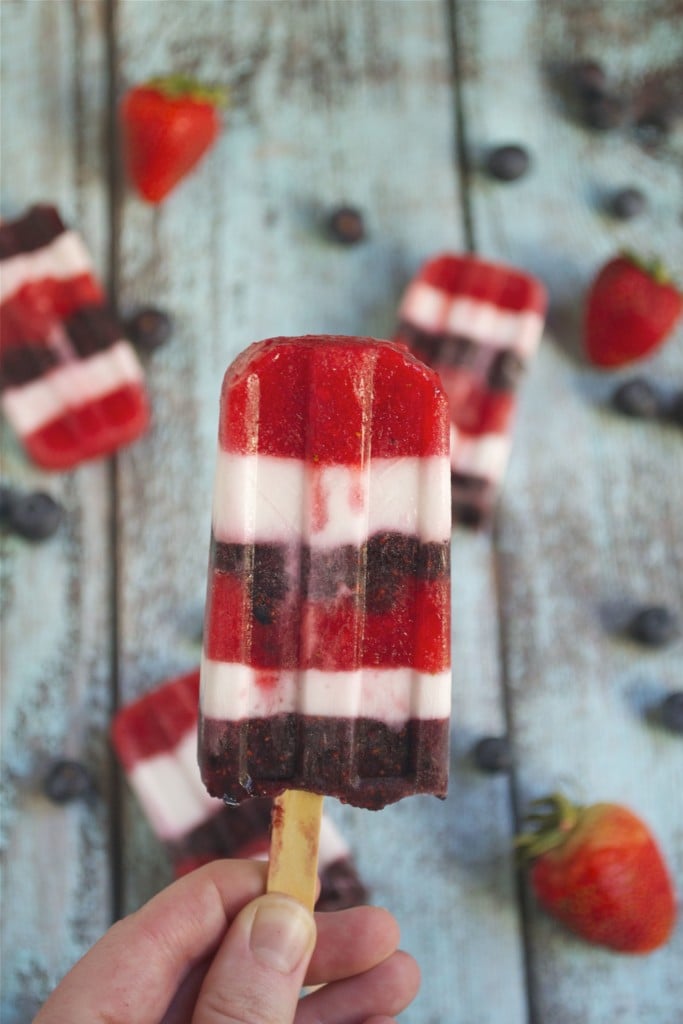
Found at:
<point>337,635</point>
<point>267,410</point>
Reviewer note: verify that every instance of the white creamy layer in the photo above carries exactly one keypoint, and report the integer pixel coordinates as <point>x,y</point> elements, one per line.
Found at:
<point>269,499</point>
<point>231,691</point>
<point>65,256</point>
<point>434,310</point>
<point>484,456</point>
<point>171,791</point>
<point>74,384</point>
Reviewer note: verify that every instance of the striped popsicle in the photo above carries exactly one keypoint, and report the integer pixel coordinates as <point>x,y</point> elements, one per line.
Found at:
<point>326,662</point>
<point>71,384</point>
<point>477,324</point>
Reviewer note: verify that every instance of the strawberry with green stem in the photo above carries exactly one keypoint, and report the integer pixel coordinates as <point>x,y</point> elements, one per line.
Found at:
<point>167,125</point>
<point>598,870</point>
<point>631,309</point>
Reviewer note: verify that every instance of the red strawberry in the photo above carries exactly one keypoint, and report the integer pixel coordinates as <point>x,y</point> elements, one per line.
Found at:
<point>168,125</point>
<point>599,871</point>
<point>631,308</point>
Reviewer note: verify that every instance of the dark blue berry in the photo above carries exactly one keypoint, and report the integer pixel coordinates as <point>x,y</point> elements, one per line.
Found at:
<point>652,130</point>
<point>506,371</point>
<point>7,498</point>
<point>492,754</point>
<point>345,225</point>
<point>264,613</point>
<point>507,163</point>
<point>67,781</point>
<point>671,711</point>
<point>149,329</point>
<point>589,78</point>
<point>654,626</point>
<point>35,516</point>
<point>637,397</point>
<point>675,409</point>
<point>628,203</point>
<point>602,112</point>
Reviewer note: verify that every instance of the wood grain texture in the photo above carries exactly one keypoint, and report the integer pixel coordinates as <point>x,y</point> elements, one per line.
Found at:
<point>294,842</point>
<point>590,525</point>
<point>55,635</point>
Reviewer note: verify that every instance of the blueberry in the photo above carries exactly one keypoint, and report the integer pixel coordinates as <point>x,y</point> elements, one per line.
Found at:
<point>35,516</point>
<point>67,781</point>
<point>264,613</point>
<point>149,329</point>
<point>652,129</point>
<point>628,203</point>
<point>8,496</point>
<point>345,225</point>
<point>671,711</point>
<point>492,754</point>
<point>602,112</point>
<point>507,163</point>
<point>675,409</point>
<point>505,372</point>
<point>637,397</point>
<point>654,626</point>
<point>590,78</point>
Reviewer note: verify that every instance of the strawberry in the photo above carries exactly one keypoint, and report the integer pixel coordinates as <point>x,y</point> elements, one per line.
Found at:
<point>599,871</point>
<point>168,124</point>
<point>632,306</point>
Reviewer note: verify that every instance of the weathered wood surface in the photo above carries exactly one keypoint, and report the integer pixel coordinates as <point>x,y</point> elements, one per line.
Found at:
<point>362,103</point>
<point>591,524</point>
<point>56,637</point>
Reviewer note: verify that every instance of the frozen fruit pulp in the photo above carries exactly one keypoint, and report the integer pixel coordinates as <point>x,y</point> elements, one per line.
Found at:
<point>361,761</point>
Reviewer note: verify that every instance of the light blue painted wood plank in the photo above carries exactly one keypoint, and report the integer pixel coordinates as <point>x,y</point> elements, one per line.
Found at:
<point>592,509</point>
<point>333,103</point>
<point>55,629</point>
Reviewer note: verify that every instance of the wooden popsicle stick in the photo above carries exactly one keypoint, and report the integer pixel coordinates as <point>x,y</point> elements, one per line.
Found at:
<point>295,834</point>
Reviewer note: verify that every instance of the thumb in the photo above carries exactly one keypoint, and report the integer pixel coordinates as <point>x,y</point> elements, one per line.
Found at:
<point>258,971</point>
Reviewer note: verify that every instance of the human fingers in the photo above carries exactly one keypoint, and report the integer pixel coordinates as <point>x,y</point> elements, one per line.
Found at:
<point>182,1007</point>
<point>143,959</point>
<point>381,992</point>
<point>351,942</point>
<point>258,970</point>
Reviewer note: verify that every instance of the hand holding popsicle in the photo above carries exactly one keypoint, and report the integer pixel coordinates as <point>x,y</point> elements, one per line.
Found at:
<point>213,948</point>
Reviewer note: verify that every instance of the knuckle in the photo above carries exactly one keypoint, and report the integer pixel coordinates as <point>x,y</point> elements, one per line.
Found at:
<point>225,1006</point>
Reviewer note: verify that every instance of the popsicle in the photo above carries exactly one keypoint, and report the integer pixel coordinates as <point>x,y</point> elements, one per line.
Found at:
<point>155,739</point>
<point>326,661</point>
<point>71,384</point>
<point>478,324</point>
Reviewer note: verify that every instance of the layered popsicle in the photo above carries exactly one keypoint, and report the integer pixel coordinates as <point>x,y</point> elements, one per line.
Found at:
<point>72,386</point>
<point>478,325</point>
<point>155,739</point>
<point>326,662</point>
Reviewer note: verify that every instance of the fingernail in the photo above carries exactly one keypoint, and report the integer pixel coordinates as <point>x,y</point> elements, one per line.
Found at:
<point>282,932</point>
